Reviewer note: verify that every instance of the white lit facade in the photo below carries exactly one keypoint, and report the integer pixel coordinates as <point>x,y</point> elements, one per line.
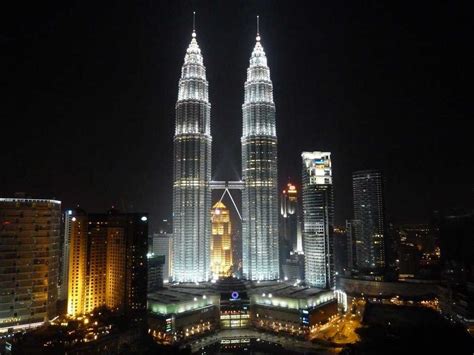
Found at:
<point>318,216</point>
<point>260,255</point>
<point>192,172</point>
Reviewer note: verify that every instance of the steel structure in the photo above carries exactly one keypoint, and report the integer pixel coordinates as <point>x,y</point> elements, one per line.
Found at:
<point>192,171</point>
<point>259,172</point>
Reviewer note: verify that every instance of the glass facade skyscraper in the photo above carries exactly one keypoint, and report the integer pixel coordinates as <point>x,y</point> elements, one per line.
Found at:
<point>318,219</point>
<point>367,188</point>
<point>192,171</point>
<point>260,255</point>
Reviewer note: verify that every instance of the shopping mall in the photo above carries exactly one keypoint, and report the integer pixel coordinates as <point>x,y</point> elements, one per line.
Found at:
<point>186,311</point>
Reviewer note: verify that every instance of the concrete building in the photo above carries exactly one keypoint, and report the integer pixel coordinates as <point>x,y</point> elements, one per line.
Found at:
<point>186,311</point>
<point>29,260</point>
<point>107,262</point>
<point>155,272</point>
<point>163,246</point>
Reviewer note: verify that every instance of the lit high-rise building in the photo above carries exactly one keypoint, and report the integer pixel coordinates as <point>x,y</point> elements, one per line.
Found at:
<point>367,188</point>
<point>75,236</point>
<point>64,259</point>
<point>260,252</point>
<point>221,247</point>
<point>192,171</point>
<point>318,219</point>
<point>290,229</point>
<point>29,260</point>
<point>107,262</point>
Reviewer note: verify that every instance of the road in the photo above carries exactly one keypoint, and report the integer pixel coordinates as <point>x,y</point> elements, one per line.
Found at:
<point>242,334</point>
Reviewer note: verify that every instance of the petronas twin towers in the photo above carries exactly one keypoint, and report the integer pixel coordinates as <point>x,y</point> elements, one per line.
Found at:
<point>192,172</point>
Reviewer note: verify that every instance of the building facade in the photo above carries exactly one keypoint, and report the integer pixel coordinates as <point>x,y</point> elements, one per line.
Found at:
<point>367,188</point>
<point>185,312</point>
<point>260,249</point>
<point>155,272</point>
<point>107,262</point>
<point>163,246</point>
<point>318,219</point>
<point>29,260</point>
<point>221,242</point>
<point>192,171</point>
<point>290,230</point>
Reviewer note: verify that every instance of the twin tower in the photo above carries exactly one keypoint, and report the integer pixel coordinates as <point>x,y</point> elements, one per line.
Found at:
<point>192,172</point>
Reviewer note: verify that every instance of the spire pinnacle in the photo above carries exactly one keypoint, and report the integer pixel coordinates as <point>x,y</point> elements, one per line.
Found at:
<point>258,28</point>
<point>194,24</point>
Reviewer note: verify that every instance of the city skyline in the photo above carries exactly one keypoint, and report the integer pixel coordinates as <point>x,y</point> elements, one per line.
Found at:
<point>332,131</point>
<point>125,108</point>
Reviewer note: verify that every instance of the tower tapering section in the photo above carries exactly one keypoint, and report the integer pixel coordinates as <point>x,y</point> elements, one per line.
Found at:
<point>260,256</point>
<point>192,171</point>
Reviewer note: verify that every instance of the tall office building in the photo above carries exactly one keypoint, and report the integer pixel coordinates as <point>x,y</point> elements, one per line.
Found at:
<point>155,272</point>
<point>29,260</point>
<point>64,259</point>
<point>367,188</point>
<point>107,262</point>
<point>260,255</point>
<point>290,230</point>
<point>192,171</point>
<point>163,246</point>
<point>318,219</point>
<point>351,226</point>
<point>221,243</point>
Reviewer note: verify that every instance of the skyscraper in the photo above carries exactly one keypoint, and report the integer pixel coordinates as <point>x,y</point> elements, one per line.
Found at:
<point>318,219</point>
<point>107,262</point>
<point>221,247</point>
<point>163,246</point>
<point>351,226</point>
<point>29,260</point>
<point>290,230</point>
<point>367,188</point>
<point>260,255</point>
<point>64,259</point>
<point>192,171</point>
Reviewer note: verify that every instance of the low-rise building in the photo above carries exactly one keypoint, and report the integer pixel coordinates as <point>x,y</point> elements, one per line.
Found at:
<point>184,311</point>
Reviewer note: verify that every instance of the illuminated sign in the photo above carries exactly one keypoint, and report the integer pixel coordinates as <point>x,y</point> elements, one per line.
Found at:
<point>168,325</point>
<point>234,295</point>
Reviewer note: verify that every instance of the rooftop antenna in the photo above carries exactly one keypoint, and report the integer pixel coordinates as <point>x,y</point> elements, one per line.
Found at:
<point>194,24</point>
<point>258,28</point>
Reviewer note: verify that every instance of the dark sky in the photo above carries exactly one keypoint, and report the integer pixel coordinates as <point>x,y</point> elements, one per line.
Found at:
<point>89,89</point>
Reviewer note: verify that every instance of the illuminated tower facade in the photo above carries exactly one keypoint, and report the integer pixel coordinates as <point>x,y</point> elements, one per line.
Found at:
<point>290,230</point>
<point>221,245</point>
<point>318,219</point>
<point>260,255</point>
<point>75,235</point>
<point>192,171</point>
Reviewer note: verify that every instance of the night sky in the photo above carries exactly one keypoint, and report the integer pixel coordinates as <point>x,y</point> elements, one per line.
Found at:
<point>89,89</point>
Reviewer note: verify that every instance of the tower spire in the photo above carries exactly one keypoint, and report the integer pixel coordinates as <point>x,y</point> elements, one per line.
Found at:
<point>194,24</point>
<point>258,28</point>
